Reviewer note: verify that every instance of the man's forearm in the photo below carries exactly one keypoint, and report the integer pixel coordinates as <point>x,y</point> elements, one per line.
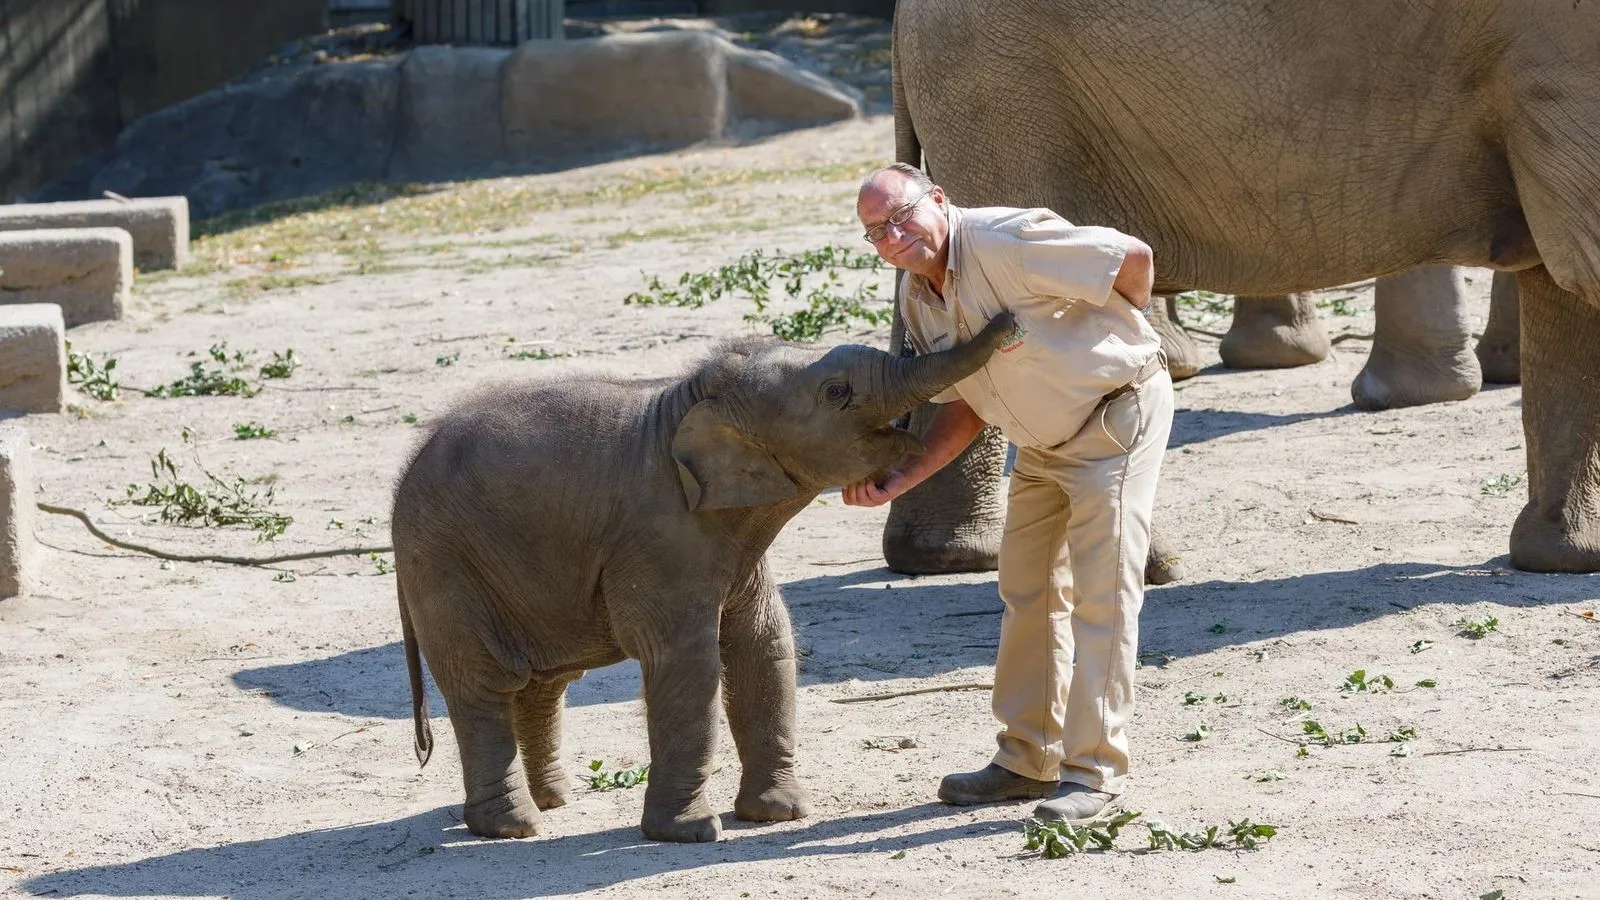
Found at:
<point>953,428</point>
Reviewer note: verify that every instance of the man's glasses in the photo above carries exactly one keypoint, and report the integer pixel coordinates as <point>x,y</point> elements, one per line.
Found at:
<point>898,217</point>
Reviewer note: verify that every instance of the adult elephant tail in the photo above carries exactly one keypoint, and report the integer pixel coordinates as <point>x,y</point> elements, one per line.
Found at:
<point>419,696</point>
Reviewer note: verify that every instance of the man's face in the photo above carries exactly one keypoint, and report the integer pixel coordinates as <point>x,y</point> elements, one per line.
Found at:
<point>918,243</point>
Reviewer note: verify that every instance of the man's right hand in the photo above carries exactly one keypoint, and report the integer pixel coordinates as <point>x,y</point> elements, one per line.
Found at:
<point>870,492</point>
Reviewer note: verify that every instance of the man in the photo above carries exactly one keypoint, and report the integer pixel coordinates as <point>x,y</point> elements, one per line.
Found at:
<point>1081,388</point>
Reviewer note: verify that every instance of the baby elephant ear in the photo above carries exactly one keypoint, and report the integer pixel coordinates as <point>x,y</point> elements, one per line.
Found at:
<point>721,467</point>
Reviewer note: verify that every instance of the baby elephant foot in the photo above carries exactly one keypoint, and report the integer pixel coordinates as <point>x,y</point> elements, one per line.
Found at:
<point>772,800</point>
<point>697,824</point>
<point>502,817</point>
<point>550,787</point>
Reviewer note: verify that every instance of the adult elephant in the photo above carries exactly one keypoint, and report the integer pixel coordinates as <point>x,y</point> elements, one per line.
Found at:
<point>1421,344</point>
<point>1364,138</point>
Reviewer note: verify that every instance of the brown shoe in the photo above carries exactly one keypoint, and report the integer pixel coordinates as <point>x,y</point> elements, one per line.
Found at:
<point>1075,804</point>
<point>991,784</point>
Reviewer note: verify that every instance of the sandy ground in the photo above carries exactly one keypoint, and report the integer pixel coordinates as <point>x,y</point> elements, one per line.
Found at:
<point>200,729</point>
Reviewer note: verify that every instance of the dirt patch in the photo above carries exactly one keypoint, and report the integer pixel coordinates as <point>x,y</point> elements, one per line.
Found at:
<point>192,729</point>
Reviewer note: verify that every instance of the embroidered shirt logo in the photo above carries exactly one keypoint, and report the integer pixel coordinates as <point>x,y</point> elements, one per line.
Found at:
<point>1015,339</point>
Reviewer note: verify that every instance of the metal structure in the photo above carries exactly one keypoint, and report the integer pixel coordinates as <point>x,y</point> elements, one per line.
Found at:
<point>479,21</point>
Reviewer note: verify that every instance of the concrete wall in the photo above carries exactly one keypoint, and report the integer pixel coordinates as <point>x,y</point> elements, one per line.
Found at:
<point>882,9</point>
<point>73,73</point>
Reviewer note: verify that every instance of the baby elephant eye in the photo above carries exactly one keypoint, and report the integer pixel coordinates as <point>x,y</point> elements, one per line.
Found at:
<point>838,392</point>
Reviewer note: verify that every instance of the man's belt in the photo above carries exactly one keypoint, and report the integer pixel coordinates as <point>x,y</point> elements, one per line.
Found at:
<point>1145,373</point>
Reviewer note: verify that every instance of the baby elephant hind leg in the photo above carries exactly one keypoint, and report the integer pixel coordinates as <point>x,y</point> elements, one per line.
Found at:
<point>498,803</point>
<point>759,692</point>
<point>538,725</point>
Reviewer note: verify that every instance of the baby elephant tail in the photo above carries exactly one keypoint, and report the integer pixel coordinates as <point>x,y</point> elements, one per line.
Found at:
<point>419,696</point>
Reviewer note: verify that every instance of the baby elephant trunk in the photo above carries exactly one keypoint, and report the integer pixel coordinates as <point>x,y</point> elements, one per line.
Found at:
<point>917,380</point>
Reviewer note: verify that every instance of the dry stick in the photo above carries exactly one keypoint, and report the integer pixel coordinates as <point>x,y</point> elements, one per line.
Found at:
<point>206,557</point>
<point>1590,617</point>
<point>1325,517</point>
<point>1577,794</point>
<point>1280,737</point>
<point>969,686</point>
<point>1477,750</point>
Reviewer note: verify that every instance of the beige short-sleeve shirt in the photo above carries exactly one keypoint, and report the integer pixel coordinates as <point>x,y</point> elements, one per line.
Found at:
<point>1076,339</point>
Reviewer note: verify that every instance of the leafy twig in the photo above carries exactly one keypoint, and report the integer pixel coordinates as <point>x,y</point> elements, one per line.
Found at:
<point>205,557</point>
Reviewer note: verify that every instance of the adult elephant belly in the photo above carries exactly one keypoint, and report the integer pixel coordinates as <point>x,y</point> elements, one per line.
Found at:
<point>1266,149</point>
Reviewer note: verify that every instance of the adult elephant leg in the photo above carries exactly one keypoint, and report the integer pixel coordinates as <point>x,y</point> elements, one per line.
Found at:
<point>951,522</point>
<point>538,725</point>
<point>1420,348</point>
<point>1183,357</point>
<point>1274,333</point>
<point>758,690</point>
<point>1559,529</point>
<point>1500,348</point>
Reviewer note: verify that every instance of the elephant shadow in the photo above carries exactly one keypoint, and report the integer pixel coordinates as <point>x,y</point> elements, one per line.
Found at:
<point>875,625</point>
<point>432,855</point>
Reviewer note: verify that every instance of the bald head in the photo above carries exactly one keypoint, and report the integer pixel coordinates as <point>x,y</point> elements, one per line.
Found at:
<point>905,218</point>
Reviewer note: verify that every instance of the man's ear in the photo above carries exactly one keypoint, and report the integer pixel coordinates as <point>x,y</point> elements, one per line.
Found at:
<point>721,467</point>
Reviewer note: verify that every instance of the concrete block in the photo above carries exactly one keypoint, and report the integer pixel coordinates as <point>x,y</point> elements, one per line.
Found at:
<point>448,122</point>
<point>17,549</point>
<point>769,93</point>
<point>567,99</point>
<point>85,271</point>
<point>159,226</point>
<point>33,359</point>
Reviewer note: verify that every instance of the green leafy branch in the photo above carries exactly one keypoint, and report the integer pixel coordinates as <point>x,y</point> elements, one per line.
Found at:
<point>1240,835</point>
<point>94,379</point>
<point>213,503</point>
<point>754,276</point>
<point>1056,839</point>
<point>208,382</point>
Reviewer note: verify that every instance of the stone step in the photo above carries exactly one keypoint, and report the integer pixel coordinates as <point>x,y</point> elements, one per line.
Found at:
<point>33,359</point>
<point>159,225</point>
<point>85,271</point>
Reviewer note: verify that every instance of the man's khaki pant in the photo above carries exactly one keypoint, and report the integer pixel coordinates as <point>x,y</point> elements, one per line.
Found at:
<point>1072,578</point>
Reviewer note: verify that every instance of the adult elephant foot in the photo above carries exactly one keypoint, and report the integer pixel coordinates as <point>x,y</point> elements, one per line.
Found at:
<point>1500,348</point>
<point>953,521</point>
<point>1183,357</point>
<point>1420,349</point>
<point>1163,565</point>
<point>1559,528</point>
<point>1274,333</point>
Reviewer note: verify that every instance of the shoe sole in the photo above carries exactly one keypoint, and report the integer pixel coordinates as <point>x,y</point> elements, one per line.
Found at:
<point>1020,793</point>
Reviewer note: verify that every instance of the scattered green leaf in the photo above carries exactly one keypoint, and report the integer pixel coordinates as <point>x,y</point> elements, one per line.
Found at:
<point>620,779</point>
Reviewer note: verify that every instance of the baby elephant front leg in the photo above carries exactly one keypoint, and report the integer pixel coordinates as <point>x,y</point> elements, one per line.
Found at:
<point>759,661</point>
<point>680,691</point>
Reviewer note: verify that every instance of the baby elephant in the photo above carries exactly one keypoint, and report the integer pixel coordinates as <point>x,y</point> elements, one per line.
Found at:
<point>550,528</point>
